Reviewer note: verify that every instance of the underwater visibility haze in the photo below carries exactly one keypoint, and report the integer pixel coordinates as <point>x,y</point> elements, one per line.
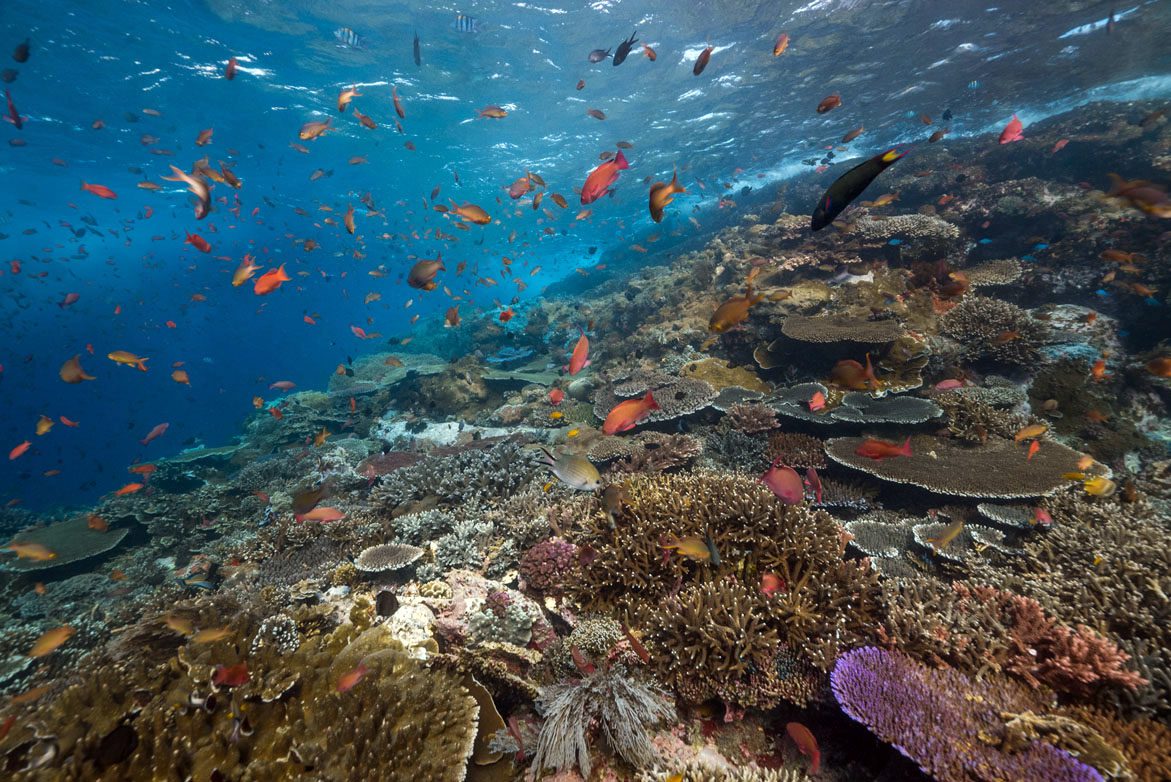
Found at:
<point>595,390</point>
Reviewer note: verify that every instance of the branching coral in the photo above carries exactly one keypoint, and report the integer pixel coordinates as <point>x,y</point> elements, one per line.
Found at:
<point>996,330</point>
<point>825,602</point>
<point>751,418</point>
<point>949,724</point>
<point>475,475</point>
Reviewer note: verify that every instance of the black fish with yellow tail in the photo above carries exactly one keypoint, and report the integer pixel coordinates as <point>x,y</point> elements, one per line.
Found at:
<point>849,186</point>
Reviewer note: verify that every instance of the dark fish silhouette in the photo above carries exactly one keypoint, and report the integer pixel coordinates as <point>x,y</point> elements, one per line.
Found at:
<point>597,55</point>
<point>849,186</point>
<point>624,49</point>
<point>418,59</point>
<point>21,52</point>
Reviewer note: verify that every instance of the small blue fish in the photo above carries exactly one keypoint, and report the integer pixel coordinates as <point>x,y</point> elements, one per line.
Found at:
<point>895,242</point>
<point>985,240</point>
<point>466,24</point>
<point>1040,246</point>
<point>348,38</point>
<point>1102,292</point>
<point>974,85</point>
<point>1028,258</point>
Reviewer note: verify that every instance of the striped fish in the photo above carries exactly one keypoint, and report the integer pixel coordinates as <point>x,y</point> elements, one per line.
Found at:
<point>466,24</point>
<point>347,37</point>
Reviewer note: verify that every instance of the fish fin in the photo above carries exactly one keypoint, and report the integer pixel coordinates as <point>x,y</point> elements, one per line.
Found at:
<point>621,162</point>
<point>650,401</point>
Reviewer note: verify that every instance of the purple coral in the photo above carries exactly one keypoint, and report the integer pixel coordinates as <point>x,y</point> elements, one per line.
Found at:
<point>545,565</point>
<point>947,723</point>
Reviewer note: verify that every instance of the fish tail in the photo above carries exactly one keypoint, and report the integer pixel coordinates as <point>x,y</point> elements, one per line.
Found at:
<point>650,401</point>
<point>906,449</point>
<point>620,161</point>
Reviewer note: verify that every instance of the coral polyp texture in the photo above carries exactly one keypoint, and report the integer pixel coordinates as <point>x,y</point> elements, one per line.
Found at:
<point>951,725</point>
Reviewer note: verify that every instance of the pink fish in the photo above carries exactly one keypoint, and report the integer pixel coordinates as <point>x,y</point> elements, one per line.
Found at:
<point>155,433</point>
<point>283,385</point>
<point>322,515</point>
<point>784,482</point>
<point>1042,518</point>
<point>581,355</point>
<point>359,332</point>
<point>1013,131</point>
<point>949,385</point>
<point>1060,145</point>
<point>70,298</point>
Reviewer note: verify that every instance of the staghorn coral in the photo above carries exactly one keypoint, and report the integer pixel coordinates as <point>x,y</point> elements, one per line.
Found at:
<point>658,452</point>
<point>1104,563</point>
<point>1081,741</point>
<point>826,603</point>
<point>623,709</point>
<point>977,627</point>
<point>473,475</point>
<point>971,418</point>
<point>997,469</point>
<point>751,418</point>
<point>947,723</point>
<point>1145,743</point>
<point>127,721</point>
<point>995,330</point>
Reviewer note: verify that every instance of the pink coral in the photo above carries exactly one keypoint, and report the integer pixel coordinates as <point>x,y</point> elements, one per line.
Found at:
<point>545,565</point>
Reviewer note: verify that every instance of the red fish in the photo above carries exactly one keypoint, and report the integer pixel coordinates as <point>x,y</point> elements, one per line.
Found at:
<point>556,396</point>
<point>1033,448</point>
<point>198,242</point>
<point>829,103</point>
<point>282,385</point>
<point>813,483</point>
<point>13,115</point>
<point>626,415</point>
<point>806,745</point>
<point>19,450</point>
<point>155,433</point>
<point>580,358</point>
<point>771,583</point>
<point>270,281</point>
<point>816,402</point>
<point>702,60</point>
<point>1013,131</point>
<point>506,315</point>
<point>600,179</point>
<point>70,298</point>
<point>350,680</point>
<point>880,449</point>
<point>359,332</point>
<point>784,483</point>
<point>323,515</point>
<point>230,69</point>
<point>230,676</point>
<point>101,191</point>
<point>1060,145</point>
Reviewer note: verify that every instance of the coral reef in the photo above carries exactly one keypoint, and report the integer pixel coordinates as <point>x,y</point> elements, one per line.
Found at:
<point>995,330</point>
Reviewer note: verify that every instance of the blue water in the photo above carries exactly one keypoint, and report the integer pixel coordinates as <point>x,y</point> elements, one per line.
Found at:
<point>747,121</point>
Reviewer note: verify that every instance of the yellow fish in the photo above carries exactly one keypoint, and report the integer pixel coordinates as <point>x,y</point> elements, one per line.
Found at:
<point>128,359</point>
<point>690,547</point>
<point>320,438</point>
<point>44,424</point>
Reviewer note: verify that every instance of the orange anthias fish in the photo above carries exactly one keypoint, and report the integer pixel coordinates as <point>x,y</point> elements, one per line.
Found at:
<point>1013,131</point>
<point>32,551</point>
<point>851,375</point>
<point>602,177</point>
<point>781,45</point>
<point>344,98</point>
<point>127,359</point>
<point>1030,432</point>
<point>691,547</point>
<point>880,449</point>
<point>71,371</point>
<point>817,402</point>
<point>806,745</point>
<point>662,194</point>
<point>349,681</point>
<point>471,213</point>
<point>312,130</point>
<point>581,353</point>
<point>198,242</point>
<point>158,431</point>
<point>626,415</point>
<point>50,641</point>
<point>44,424</point>
<point>270,281</point>
<point>451,317</point>
<point>101,191</point>
<point>129,488</point>
<point>734,311</point>
<point>19,450</point>
<point>322,515</point>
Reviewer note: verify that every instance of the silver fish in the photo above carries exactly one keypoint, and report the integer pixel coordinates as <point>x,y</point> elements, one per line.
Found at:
<point>574,471</point>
